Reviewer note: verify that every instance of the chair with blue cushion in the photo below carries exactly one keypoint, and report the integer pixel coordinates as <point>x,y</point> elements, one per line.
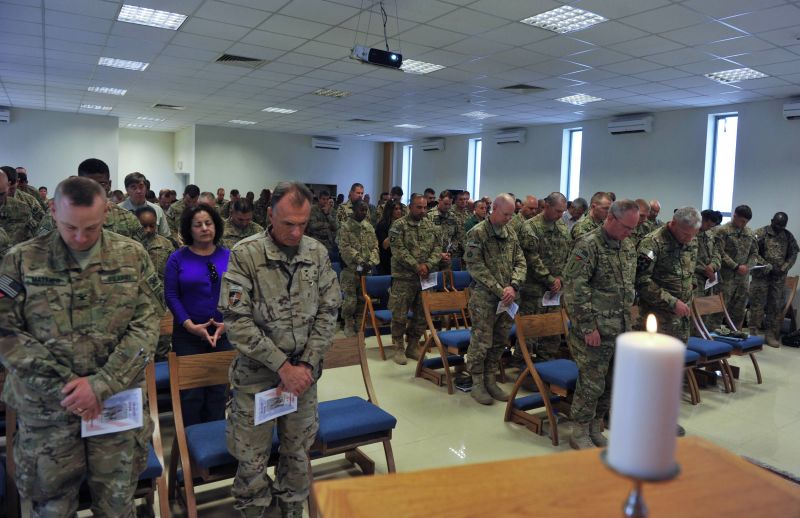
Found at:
<point>459,280</point>
<point>554,379</point>
<point>451,344</point>
<point>375,290</point>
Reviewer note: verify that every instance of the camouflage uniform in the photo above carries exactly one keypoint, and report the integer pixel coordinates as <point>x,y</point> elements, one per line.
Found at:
<point>600,276</point>
<point>778,249</point>
<point>159,248</point>
<point>118,220</point>
<point>412,243</point>
<point>323,227</point>
<point>737,246</point>
<point>451,232</point>
<point>546,246</point>
<point>34,194</point>
<point>471,222</point>
<point>584,225</point>
<point>708,252</point>
<point>5,243</point>
<point>15,219</point>
<point>358,247</point>
<point>174,217</point>
<point>517,223</point>
<point>495,261</point>
<point>57,323</point>
<point>276,309</point>
<point>234,234</point>
<point>665,275</point>
<point>219,204</point>
<point>640,232</point>
<point>260,212</point>
<point>37,212</point>
<point>344,211</point>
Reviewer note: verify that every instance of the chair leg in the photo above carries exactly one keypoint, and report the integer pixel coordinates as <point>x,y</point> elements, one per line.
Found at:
<point>727,367</point>
<point>313,511</point>
<point>387,449</point>
<point>692,383</point>
<point>755,365</point>
<point>172,479</point>
<point>513,395</point>
<point>551,417</point>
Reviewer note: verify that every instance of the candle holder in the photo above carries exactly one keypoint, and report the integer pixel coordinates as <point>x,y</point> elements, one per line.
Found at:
<point>634,506</point>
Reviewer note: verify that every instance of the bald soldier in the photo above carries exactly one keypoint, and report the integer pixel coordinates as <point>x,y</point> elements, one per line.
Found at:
<point>598,210</point>
<point>528,210</point>
<point>655,209</point>
<point>497,266</point>
<point>65,360</point>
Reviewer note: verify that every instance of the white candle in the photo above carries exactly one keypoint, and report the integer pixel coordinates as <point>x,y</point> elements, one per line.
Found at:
<point>646,395</point>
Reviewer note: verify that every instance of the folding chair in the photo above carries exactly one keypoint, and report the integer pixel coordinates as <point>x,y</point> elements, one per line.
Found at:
<point>452,344</point>
<point>375,290</point>
<point>201,449</point>
<point>458,280</point>
<point>788,320</point>
<point>714,304</point>
<point>347,424</point>
<point>555,379</point>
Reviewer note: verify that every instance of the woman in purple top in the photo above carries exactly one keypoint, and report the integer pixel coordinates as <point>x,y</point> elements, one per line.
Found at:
<point>191,289</point>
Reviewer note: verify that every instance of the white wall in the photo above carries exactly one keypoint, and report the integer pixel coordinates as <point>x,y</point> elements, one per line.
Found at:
<point>150,153</point>
<point>52,144</point>
<point>253,160</point>
<point>184,156</point>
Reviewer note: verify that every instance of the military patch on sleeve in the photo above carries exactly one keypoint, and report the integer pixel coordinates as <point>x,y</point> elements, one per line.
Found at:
<point>234,295</point>
<point>646,257</point>
<point>9,287</point>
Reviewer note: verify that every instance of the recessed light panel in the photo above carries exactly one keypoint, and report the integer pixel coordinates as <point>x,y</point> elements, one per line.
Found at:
<point>150,119</point>
<point>478,115</point>
<point>243,123</point>
<point>735,75</point>
<point>273,109</point>
<point>139,126</point>
<point>565,19</point>
<point>151,17</point>
<point>408,126</point>
<point>96,107</point>
<point>579,99</point>
<point>328,92</point>
<point>411,66</point>
<point>123,63</point>
<point>107,90</point>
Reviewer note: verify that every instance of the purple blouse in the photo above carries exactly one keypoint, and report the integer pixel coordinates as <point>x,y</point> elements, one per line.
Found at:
<point>188,287</point>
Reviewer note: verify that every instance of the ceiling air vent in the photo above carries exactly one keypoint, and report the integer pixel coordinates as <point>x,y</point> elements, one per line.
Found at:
<point>240,61</point>
<point>169,107</point>
<point>523,88</point>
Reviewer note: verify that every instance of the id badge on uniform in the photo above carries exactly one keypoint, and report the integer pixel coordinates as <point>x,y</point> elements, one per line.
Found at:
<point>121,412</point>
<point>270,405</point>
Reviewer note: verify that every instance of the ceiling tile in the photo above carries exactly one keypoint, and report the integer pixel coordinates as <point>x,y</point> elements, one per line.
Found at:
<point>613,9</point>
<point>663,19</point>
<point>431,36</point>
<point>74,21</point>
<point>272,40</point>
<point>703,33</point>
<point>477,47</point>
<point>518,34</point>
<point>95,8</point>
<point>227,13</point>
<point>560,46</point>
<point>224,31</point>
<point>646,46</point>
<point>201,42</point>
<point>466,21</point>
<point>662,74</point>
<point>735,46</point>
<point>767,19</point>
<point>608,33</point>
<point>293,26</point>
<point>10,27</point>
<point>679,57</point>
<point>632,66</point>
<point>322,12</point>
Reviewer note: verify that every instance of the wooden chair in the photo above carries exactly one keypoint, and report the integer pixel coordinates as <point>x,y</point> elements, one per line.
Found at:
<point>375,290</point>
<point>555,379</point>
<point>452,344</point>
<point>714,304</point>
<point>200,449</point>
<point>788,312</point>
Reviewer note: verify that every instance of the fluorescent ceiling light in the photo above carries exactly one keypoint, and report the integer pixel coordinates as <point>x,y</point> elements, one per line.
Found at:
<point>273,109</point>
<point>107,90</point>
<point>327,92</point>
<point>243,123</point>
<point>579,99</point>
<point>151,17</point>
<point>151,119</point>
<point>409,126</point>
<point>131,125</point>
<point>564,19</point>
<point>478,115</point>
<point>411,66</point>
<point>96,107</point>
<point>735,75</point>
<point>123,63</point>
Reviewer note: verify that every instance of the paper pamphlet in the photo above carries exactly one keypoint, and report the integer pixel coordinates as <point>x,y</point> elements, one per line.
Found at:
<point>270,405</point>
<point>758,267</point>
<point>710,283</point>
<point>511,309</point>
<point>122,411</point>
<point>428,282</point>
<point>550,299</point>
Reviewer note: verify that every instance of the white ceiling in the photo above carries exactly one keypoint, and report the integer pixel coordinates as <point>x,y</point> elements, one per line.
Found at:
<point>650,56</point>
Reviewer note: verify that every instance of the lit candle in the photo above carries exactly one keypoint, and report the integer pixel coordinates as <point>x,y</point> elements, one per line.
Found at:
<point>646,395</point>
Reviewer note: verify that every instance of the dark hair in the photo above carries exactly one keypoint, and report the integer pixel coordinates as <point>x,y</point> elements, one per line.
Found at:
<point>81,192</point>
<point>43,187</point>
<point>428,190</point>
<point>92,167</point>
<point>142,210</point>
<point>134,179</point>
<point>445,194</point>
<point>413,197</point>
<point>396,190</point>
<point>358,203</point>
<point>234,192</point>
<point>162,192</point>
<point>298,194</point>
<point>743,211</point>
<point>354,186</point>
<point>11,174</point>
<point>22,177</point>
<point>186,223</point>
<point>388,209</point>
<point>192,190</point>
<point>324,193</point>
<point>242,205</point>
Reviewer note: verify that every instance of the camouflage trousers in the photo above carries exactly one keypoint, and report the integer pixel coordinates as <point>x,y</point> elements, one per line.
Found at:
<point>406,296</point>
<point>489,334</point>
<point>53,460</point>
<point>592,397</point>
<point>767,296</point>
<point>544,348</point>
<point>734,292</point>
<point>353,304</point>
<point>669,323</point>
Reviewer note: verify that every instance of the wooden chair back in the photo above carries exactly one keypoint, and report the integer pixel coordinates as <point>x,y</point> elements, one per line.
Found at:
<point>791,291</point>
<point>542,325</point>
<point>158,446</point>
<point>349,351</point>
<point>199,370</point>
<point>709,305</point>
<point>165,326</point>
<point>456,303</point>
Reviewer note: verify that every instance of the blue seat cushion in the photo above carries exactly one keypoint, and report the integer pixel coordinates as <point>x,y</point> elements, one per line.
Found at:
<point>456,339</point>
<point>436,362</point>
<point>563,373</point>
<point>207,446</point>
<point>708,348</point>
<point>532,402</point>
<point>384,315</point>
<point>153,468</point>
<point>742,344</point>
<point>351,417</point>
<point>512,334</point>
<point>162,375</point>
<point>690,356</point>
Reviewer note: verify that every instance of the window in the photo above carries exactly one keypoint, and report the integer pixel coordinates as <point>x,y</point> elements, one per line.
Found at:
<point>720,162</point>
<point>571,162</point>
<point>405,181</point>
<point>474,167</point>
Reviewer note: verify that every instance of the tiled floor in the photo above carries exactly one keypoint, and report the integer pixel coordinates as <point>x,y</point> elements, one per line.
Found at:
<point>435,429</point>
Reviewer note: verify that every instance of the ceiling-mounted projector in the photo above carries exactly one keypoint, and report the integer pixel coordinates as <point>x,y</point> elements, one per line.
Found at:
<point>380,57</point>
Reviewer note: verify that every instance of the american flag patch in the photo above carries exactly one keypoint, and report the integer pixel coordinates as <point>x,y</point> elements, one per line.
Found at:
<point>9,286</point>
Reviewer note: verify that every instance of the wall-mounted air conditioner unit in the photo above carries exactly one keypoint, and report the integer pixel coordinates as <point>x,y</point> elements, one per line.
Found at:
<point>511,136</point>
<point>5,114</point>
<point>637,124</point>
<point>432,144</point>
<point>326,143</point>
<point>791,110</point>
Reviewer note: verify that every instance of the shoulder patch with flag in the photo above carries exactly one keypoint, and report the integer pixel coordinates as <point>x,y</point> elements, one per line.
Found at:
<point>9,287</point>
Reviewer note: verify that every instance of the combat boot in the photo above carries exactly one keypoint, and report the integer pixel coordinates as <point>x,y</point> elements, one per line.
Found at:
<point>772,340</point>
<point>399,353</point>
<point>349,327</point>
<point>579,440</point>
<point>596,433</point>
<point>494,389</point>
<point>412,349</point>
<point>479,392</point>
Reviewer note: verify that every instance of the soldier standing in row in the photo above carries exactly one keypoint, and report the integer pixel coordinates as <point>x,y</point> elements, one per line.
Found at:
<point>598,209</point>
<point>323,224</point>
<point>600,277</point>
<point>240,224</point>
<point>358,247</point>
<point>346,209</point>
<point>451,233</point>
<point>191,195</point>
<point>15,216</point>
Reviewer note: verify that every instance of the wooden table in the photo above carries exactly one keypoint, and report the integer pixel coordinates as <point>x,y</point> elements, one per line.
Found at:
<point>713,482</point>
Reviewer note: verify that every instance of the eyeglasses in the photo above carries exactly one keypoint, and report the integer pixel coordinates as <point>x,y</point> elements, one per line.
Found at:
<point>212,272</point>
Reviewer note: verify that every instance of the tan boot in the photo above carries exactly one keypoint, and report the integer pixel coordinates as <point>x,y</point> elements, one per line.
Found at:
<point>412,349</point>
<point>596,433</point>
<point>494,389</point>
<point>349,327</point>
<point>399,353</point>
<point>479,392</point>
<point>579,440</point>
<point>772,340</point>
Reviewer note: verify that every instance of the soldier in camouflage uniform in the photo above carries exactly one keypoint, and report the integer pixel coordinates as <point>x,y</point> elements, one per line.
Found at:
<point>497,266</point>
<point>15,216</point>
<point>655,209</point>
<point>5,243</point>
<point>546,244</point>
<point>191,195</point>
<point>709,261</point>
<point>344,210</point>
<point>279,300</point>
<point>358,247</point>
<point>778,248</point>
<point>415,254</point>
<point>33,203</point>
<point>450,231</point>
<point>260,208</point>
<point>225,209</point>
<point>220,200</point>
<point>739,251</point>
<point>480,211</point>
<point>644,226</point>
<point>527,211</point>
<point>240,224</point>
<point>323,224</point>
<point>396,194</point>
<point>69,342</point>
<point>600,277</point>
<point>23,185</point>
<point>460,210</point>
<point>594,217</point>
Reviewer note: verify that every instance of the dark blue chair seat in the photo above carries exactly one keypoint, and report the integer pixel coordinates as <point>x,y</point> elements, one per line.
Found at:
<point>351,417</point>
<point>162,375</point>
<point>154,468</point>
<point>708,348</point>
<point>384,315</point>
<point>532,402</point>
<point>741,344</point>
<point>207,446</point>
<point>512,334</point>
<point>455,338</point>
<point>563,373</point>
<point>461,279</point>
<point>455,264</point>
<point>690,357</point>
<point>435,362</point>
<point>337,267</point>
